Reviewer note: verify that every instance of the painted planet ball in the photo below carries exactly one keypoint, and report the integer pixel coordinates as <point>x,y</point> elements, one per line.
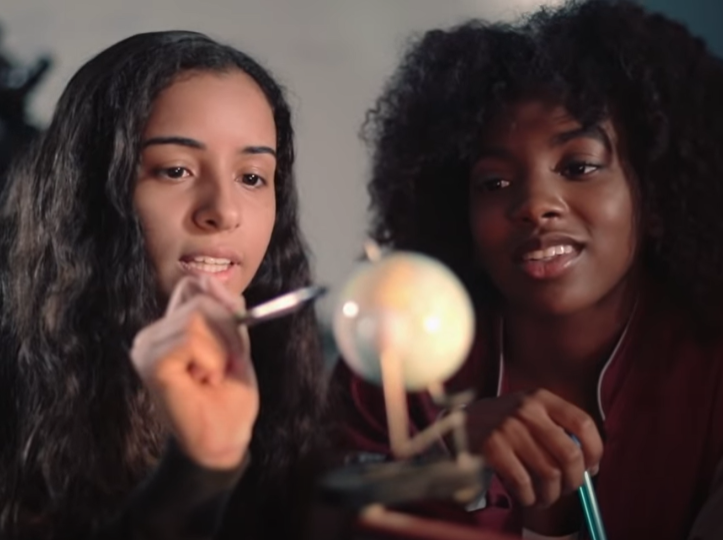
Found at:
<point>408,305</point>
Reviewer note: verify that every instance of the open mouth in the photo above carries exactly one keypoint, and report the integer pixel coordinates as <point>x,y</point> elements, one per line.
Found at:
<point>549,253</point>
<point>549,262</point>
<point>206,265</point>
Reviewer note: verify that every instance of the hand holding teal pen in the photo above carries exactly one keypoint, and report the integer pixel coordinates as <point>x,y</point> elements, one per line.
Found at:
<point>590,507</point>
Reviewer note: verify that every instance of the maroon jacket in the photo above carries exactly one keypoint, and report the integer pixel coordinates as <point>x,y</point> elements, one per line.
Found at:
<point>661,397</point>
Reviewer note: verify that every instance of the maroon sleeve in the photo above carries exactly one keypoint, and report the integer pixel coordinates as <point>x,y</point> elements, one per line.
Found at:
<point>361,415</point>
<point>709,521</point>
<point>359,412</point>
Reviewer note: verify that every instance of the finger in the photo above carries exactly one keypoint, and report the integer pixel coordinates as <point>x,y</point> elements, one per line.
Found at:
<point>156,342</point>
<point>169,328</point>
<point>557,443</point>
<point>233,302</point>
<point>577,422</point>
<point>242,370</point>
<point>501,457</point>
<point>186,288</point>
<point>202,327</point>
<point>208,352</point>
<point>197,352</point>
<point>173,325</point>
<point>542,468</point>
<point>221,322</point>
<point>241,367</point>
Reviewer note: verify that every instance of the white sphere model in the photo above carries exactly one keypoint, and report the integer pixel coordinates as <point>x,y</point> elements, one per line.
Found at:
<point>410,306</point>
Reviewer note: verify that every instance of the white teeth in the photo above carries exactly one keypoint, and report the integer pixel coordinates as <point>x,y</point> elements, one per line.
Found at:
<point>211,260</point>
<point>211,265</point>
<point>549,253</point>
<point>210,268</point>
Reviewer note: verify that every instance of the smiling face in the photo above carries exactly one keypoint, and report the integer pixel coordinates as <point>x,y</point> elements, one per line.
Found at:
<point>551,210</point>
<point>205,190</point>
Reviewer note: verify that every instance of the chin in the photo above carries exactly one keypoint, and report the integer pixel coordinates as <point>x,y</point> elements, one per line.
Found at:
<point>237,287</point>
<point>552,305</point>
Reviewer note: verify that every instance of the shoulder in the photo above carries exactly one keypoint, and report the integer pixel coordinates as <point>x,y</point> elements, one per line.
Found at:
<point>674,335</point>
<point>682,361</point>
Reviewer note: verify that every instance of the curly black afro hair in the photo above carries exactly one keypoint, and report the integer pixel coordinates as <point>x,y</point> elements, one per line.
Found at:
<point>599,59</point>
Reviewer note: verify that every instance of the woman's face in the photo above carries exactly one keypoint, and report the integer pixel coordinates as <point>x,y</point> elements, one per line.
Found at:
<point>551,210</point>
<point>205,189</point>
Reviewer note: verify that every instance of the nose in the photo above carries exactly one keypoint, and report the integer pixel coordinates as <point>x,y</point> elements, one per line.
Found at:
<point>540,199</point>
<point>216,207</point>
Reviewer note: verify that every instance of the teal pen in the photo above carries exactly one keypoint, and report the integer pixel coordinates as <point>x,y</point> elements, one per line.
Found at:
<point>590,506</point>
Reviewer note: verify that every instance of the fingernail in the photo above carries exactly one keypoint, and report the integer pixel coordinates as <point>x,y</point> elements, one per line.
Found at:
<point>594,470</point>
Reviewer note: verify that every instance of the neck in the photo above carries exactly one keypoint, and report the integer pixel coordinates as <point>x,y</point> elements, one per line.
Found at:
<point>572,347</point>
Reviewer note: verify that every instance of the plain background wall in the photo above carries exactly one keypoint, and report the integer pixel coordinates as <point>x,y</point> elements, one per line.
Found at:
<point>703,17</point>
<point>332,55</point>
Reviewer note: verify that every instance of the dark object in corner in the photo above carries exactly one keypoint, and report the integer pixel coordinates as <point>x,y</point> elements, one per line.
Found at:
<point>16,84</point>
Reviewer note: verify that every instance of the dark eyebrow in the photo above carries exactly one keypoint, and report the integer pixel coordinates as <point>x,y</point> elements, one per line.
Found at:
<point>594,132</point>
<point>259,150</point>
<point>198,145</point>
<point>180,141</point>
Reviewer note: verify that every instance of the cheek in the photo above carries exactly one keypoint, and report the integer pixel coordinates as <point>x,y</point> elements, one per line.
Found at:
<point>159,220</point>
<point>259,233</point>
<point>489,230</point>
<point>618,217</point>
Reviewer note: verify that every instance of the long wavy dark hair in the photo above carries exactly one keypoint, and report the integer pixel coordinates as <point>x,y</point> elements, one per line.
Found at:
<point>600,59</point>
<point>79,429</point>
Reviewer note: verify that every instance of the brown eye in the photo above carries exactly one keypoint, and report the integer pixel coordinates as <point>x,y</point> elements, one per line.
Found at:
<point>491,184</point>
<point>577,169</point>
<point>173,173</point>
<point>252,180</point>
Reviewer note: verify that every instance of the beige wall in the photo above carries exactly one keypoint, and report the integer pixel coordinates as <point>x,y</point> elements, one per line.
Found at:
<point>333,56</point>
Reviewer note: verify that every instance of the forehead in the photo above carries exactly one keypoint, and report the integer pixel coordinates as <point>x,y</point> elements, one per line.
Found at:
<point>203,102</point>
<point>536,117</point>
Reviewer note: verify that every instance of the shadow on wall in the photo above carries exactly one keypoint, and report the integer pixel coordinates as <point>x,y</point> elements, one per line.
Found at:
<point>16,84</point>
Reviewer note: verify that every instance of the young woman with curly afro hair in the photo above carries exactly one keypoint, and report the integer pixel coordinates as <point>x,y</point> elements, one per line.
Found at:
<point>568,169</point>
